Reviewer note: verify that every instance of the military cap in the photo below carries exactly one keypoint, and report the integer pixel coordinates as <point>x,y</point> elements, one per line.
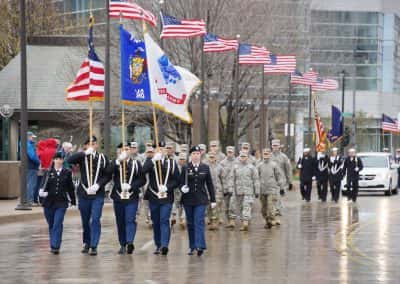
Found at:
<point>352,150</point>
<point>334,149</point>
<point>211,155</point>
<point>266,150</point>
<point>305,150</point>
<point>194,149</point>
<point>58,155</point>
<point>149,149</point>
<point>161,144</point>
<point>149,143</point>
<point>94,139</point>
<point>170,145</point>
<point>133,144</point>
<point>243,154</point>
<point>245,145</point>
<point>276,142</point>
<point>214,143</point>
<point>230,149</point>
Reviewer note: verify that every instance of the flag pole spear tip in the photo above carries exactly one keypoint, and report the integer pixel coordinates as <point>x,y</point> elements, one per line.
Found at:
<point>238,36</point>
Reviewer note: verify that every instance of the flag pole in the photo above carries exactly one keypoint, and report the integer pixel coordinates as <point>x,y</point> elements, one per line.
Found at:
<point>107,123</point>
<point>236,108</point>
<point>288,142</point>
<point>90,141</point>
<point>309,116</point>
<point>154,118</point>
<point>263,116</point>
<point>123,126</point>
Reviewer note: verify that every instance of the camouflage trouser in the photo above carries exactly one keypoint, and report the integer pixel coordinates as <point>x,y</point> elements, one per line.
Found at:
<point>240,206</point>
<point>217,212</point>
<point>227,201</point>
<point>277,203</point>
<point>177,208</point>
<point>267,207</point>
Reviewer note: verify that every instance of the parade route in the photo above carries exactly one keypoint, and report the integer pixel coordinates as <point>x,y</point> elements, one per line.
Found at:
<point>317,243</point>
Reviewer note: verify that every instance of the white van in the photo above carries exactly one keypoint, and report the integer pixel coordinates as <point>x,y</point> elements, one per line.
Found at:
<point>379,173</point>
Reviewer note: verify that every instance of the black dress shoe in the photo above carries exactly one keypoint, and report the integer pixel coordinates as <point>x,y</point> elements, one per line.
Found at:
<point>54,251</point>
<point>199,252</point>
<point>157,251</point>
<point>131,248</point>
<point>122,250</point>
<point>93,251</point>
<point>164,250</point>
<point>191,252</point>
<point>85,249</point>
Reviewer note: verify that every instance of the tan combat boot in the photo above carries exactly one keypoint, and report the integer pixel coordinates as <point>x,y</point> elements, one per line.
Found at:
<point>245,226</point>
<point>231,224</point>
<point>213,225</point>
<point>182,224</point>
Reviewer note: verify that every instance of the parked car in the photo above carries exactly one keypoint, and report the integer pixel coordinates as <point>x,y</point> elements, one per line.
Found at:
<point>379,173</point>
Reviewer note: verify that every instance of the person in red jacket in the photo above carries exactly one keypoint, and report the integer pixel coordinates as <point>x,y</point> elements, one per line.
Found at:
<point>46,150</point>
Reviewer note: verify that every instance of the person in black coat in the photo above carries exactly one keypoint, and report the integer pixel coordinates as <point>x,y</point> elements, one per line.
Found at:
<point>197,192</point>
<point>336,164</point>
<point>91,192</point>
<point>163,179</point>
<point>125,194</point>
<point>352,167</point>
<point>306,165</point>
<point>57,191</point>
<point>321,174</point>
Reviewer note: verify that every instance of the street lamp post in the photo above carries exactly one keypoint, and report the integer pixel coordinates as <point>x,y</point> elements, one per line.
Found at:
<point>343,77</point>
<point>23,205</point>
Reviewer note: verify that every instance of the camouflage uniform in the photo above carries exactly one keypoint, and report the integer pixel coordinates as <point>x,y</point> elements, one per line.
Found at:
<point>218,176</point>
<point>285,167</point>
<point>227,164</point>
<point>271,181</point>
<point>246,185</point>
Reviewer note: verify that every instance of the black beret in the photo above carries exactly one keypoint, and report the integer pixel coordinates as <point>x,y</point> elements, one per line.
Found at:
<point>94,139</point>
<point>119,146</point>
<point>194,149</point>
<point>161,144</point>
<point>58,155</point>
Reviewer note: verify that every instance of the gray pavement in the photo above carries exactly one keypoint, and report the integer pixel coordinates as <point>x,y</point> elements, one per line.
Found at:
<point>317,243</point>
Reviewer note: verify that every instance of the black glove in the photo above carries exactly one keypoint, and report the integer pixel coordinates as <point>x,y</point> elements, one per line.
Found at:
<point>257,195</point>
<point>290,186</point>
<point>282,192</point>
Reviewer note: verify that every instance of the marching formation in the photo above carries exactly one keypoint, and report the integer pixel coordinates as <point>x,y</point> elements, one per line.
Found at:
<point>199,189</point>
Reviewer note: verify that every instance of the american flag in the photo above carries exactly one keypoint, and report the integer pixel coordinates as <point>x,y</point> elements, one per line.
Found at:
<point>128,10</point>
<point>320,134</point>
<point>389,124</point>
<point>89,82</point>
<point>252,54</point>
<point>280,64</point>
<point>174,28</point>
<point>214,43</point>
<point>306,79</point>
<point>324,84</point>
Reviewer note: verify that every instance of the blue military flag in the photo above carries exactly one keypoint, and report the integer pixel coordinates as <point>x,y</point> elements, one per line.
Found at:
<point>336,132</point>
<point>135,87</point>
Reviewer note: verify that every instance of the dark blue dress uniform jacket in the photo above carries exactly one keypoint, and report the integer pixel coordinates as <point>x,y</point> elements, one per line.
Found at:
<point>60,189</point>
<point>201,188</point>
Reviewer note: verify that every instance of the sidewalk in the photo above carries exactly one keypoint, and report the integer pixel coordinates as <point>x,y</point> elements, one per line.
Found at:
<point>8,214</point>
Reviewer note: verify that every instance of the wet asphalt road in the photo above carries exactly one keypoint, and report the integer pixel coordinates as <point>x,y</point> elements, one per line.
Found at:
<point>316,243</point>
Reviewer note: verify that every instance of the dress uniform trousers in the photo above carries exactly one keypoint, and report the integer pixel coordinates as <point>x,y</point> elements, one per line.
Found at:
<point>125,216</point>
<point>91,210</point>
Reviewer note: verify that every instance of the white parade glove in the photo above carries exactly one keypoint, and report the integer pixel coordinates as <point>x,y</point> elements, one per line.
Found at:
<point>43,193</point>
<point>313,178</point>
<point>73,207</point>
<point>185,189</point>
<point>90,191</point>
<point>213,205</point>
<point>299,166</point>
<point>163,188</point>
<point>126,186</point>
<point>89,151</point>
<point>123,156</point>
<point>95,187</point>
<point>157,157</point>
<point>356,169</point>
